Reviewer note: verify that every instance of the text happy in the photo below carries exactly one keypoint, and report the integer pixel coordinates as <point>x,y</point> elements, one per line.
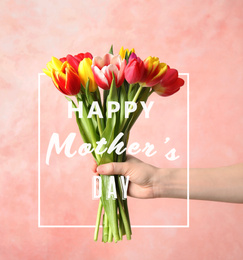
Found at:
<point>112,107</point>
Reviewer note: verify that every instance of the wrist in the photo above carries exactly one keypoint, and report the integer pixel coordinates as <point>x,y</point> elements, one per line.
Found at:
<point>161,183</point>
<point>170,183</point>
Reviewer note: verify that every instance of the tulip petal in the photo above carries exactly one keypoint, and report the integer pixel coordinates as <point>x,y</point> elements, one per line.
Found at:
<point>169,84</point>
<point>170,77</point>
<point>100,78</point>
<point>79,57</point>
<point>121,74</point>
<point>133,56</point>
<point>107,59</point>
<point>73,62</point>
<point>109,70</point>
<point>56,63</point>
<point>88,55</point>
<point>132,72</point>
<point>63,59</point>
<point>72,85</point>
<point>116,60</point>
<point>54,76</point>
<point>122,53</point>
<point>85,72</point>
<point>98,62</point>
<point>47,72</point>
<point>62,79</point>
<point>49,65</point>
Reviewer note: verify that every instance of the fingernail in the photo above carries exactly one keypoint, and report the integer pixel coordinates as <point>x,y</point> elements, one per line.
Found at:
<point>102,169</point>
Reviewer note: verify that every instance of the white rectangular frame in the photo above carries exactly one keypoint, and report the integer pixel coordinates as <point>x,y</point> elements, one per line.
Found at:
<point>93,226</point>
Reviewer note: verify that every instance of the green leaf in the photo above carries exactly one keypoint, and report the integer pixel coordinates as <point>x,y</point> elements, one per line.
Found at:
<point>89,96</point>
<point>88,125</point>
<point>82,90</point>
<point>99,120</point>
<point>97,93</point>
<point>133,88</point>
<point>82,129</point>
<point>134,116</point>
<point>69,99</point>
<point>123,98</point>
<point>105,95</point>
<point>127,56</point>
<point>111,49</point>
<point>109,131</point>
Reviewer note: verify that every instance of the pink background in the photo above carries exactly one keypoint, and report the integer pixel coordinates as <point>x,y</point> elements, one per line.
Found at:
<point>203,38</point>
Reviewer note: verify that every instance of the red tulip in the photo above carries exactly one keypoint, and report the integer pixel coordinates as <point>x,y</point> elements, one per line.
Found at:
<point>134,69</point>
<point>169,84</point>
<point>76,59</point>
<point>154,71</point>
<point>66,79</point>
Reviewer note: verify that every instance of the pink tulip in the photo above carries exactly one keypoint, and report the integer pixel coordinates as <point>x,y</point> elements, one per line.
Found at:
<point>169,84</point>
<point>103,69</point>
<point>134,70</point>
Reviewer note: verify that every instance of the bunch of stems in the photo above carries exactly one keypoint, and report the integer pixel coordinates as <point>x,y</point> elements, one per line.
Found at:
<point>115,214</point>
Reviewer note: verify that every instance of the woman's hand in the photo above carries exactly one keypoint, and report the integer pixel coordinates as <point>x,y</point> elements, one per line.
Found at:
<point>143,178</point>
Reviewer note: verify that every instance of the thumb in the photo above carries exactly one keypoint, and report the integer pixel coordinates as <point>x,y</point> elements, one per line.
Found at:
<point>112,169</point>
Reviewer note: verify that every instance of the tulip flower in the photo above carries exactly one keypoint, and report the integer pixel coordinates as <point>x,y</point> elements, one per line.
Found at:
<point>154,71</point>
<point>85,72</point>
<point>76,59</point>
<point>169,84</point>
<point>103,69</point>
<point>134,69</point>
<point>55,64</point>
<point>63,76</point>
<point>123,52</point>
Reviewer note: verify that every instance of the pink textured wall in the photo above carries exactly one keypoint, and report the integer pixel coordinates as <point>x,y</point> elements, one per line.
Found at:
<point>204,38</point>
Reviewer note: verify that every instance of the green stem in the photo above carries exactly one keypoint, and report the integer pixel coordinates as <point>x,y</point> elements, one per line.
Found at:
<point>110,207</point>
<point>121,227</point>
<point>97,225</point>
<point>100,125</point>
<point>135,98</point>
<point>100,121</point>
<point>124,218</point>
<point>131,120</point>
<point>105,228</point>
<point>130,88</point>
<point>110,237</point>
<point>127,214</point>
<point>105,95</point>
<point>137,94</point>
<point>124,223</point>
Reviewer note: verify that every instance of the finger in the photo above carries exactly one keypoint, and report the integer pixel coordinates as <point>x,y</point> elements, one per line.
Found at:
<point>94,166</point>
<point>113,169</point>
<point>131,158</point>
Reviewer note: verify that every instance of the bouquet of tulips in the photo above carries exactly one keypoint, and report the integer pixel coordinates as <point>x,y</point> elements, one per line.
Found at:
<point>123,78</point>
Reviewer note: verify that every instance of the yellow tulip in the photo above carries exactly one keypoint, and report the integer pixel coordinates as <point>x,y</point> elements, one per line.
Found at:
<point>85,72</point>
<point>154,71</point>
<point>123,52</point>
<point>64,77</point>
